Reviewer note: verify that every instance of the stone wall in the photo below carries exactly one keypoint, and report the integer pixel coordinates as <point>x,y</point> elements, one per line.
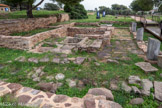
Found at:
<point>27,43</point>
<point>76,30</point>
<point>96,24</point>
<point>10,26</point>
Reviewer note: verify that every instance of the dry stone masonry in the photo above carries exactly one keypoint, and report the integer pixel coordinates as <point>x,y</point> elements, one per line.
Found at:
<point>96,98</point>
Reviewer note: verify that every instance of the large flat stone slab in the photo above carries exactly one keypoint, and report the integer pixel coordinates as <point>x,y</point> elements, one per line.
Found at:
<point>147,67</point>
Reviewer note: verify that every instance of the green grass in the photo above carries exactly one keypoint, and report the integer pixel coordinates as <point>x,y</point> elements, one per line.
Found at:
<point>92,18</point>
<point>8,101</point>
<point>22,14</point>
<point>32,32</point>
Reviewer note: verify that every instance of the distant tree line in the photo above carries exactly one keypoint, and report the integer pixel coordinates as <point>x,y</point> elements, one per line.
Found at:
<point>115,9</point>
<point>146,5</point>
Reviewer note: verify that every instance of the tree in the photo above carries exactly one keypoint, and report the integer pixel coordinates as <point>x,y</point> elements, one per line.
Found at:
<point>135,6</point>
<point>142,5</point>
<point>51,6</point>
<point>60,4</point>
<point>76,11</point>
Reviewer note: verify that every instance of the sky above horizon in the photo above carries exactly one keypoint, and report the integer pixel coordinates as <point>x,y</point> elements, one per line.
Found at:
<point>92,4</point>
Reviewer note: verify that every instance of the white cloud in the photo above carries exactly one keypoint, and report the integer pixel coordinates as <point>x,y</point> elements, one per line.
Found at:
<point>92,4</point>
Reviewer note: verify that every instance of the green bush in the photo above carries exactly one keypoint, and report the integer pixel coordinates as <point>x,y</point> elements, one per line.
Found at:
<point>76,12</point>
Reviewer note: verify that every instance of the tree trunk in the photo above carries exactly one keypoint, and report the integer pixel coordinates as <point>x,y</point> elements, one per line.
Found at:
<point>29,11</point>
<point>20,6</point>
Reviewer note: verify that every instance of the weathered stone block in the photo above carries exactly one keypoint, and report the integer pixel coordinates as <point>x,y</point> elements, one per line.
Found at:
<point>134,26</point>
<point>153,49</point>
<point>140,32</point>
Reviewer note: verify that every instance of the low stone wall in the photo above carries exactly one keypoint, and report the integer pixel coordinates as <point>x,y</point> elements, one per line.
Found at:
<point>27,43</point>
<point>88,24</point>
<point>76,30</point>
<point>10,26</point>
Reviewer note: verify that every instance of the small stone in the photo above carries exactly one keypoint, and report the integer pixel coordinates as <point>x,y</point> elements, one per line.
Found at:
<point>136,101</point>
<point>108,104</point>
<point>80,84</point>
<point>102,91</point>
<point>66,60</point>
<point>71,59</point>
<point>146,86</point>
<point>64,55</point>
<point>24,99</point>
<point>97,64</point>
<point>35,92</point>
<point>112,61</point>
<point>126,88</point>
<point>50,77</point>
<point>33,60</point>
<point>60,76</point>
<point>44,59</point>
<point>158,90</point>
<point>67,104</point>
<point>71,83</point>
<point>37,79</point>
<point>56,60</point>
<point>136,90</point>
<point>60,98</point>
<point>90,103</point>
<point>14,87</point>
<point>47,106</point>
<point>48,87</point>
<point>161,75</point>
<point>147,67</point>
<point>21,59</point>
<point>79,60</point>
<point>1,66</point>
<point>134,80</point>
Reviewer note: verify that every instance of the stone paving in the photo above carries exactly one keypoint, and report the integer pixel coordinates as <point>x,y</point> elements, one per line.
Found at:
<point>36,98</point>
<point>122,44</point>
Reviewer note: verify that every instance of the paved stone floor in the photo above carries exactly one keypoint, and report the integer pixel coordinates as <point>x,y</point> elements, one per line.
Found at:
<point>121,45</point>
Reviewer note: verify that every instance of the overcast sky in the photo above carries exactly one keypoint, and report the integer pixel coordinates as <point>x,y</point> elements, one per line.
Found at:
<point>92,4</point>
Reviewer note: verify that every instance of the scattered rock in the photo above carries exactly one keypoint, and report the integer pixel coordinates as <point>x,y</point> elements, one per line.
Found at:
<point>71,83</point>
<point>160,61</point>
<point>108,104</point>
<point>97,64</point>
<point>44,59</point>
<point>60,76</point>
<point>63,55</point>
<point>79,60</point>
<point>147,67</point>
<point>37,79</point>
<point>21,59</point>
<point>134,80</point>
<point>126,88</point>
<point>114,85</point>
<point>56,60</point>
<point>102,91</point>
<point>136,90</point>
<point>158,90</point>
<point>1,66</point>
<point>65,60</point>
<point>136,101</point>
<point>112,61</point>
<point>33,60</point>
<point>161,75</point>
<point>80,84</point>
<point>71,59</point>
<point>48,87</point>
<point>146,86</point>
<point>50,77</point>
